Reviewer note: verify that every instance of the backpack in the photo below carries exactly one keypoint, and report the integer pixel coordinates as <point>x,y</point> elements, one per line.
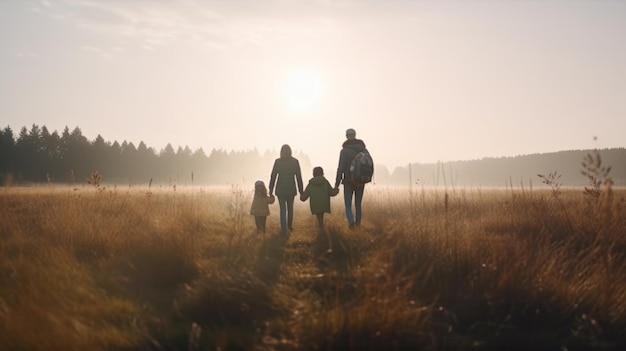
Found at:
<point>362,168</point>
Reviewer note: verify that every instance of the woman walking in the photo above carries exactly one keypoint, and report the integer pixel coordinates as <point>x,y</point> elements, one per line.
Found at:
<point>285,176</point>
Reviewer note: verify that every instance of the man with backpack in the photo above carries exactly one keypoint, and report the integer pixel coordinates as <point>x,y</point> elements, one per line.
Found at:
<point>354,171</point>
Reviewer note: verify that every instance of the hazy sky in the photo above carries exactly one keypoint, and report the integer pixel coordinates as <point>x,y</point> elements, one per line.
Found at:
<point>420,81</point>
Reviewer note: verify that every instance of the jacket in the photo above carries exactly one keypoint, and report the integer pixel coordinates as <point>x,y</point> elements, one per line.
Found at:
<point>320,191</point>
<point>283,173</point>
<point>260,205</point>
<point>350,149</point>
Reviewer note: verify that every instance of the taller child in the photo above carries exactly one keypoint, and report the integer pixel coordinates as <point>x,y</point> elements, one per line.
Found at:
<point>350,148</point>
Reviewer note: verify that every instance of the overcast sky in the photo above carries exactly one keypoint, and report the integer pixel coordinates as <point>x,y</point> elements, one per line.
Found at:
<point>420,81</point>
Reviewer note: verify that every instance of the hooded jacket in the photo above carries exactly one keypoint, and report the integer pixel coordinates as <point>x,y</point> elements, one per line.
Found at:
<point>351,148</point>
<point>320,191</point>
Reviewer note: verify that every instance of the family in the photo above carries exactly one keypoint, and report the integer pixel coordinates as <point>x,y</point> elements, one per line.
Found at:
<point>286,179</point>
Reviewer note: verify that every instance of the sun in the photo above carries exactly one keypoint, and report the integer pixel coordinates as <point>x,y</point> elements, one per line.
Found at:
<point>303,89</point>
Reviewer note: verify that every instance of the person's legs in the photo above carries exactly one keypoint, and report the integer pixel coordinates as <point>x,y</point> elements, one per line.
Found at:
<point>259,224</point>
<point>358,199</point>
<point>320,219</point>
<point>263,221</point>
<point>348,190</point>
<point>282,207</point>
<point>290,200</point>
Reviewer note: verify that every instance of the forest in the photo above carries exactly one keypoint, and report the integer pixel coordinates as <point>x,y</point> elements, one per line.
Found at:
<point>37,155</point>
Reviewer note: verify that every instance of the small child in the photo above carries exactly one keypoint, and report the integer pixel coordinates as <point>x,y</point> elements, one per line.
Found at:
<point>260,208</point>
<point>320,191</point>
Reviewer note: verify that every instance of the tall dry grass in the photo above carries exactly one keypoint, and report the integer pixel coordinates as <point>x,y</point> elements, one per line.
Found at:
<point>454,269</point>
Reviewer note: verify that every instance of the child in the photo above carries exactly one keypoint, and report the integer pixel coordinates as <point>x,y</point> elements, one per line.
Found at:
<point>260,208</point>
<point>320,191</point>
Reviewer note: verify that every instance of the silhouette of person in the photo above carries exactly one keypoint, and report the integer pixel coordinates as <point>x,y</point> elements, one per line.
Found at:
<point>350,148</point>
<point>260,208</point>
<point>286,175</point>
<point>319,191</point>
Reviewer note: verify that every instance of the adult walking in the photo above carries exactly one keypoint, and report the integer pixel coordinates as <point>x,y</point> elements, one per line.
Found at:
<point>286,175</point>
<point>350,148</point>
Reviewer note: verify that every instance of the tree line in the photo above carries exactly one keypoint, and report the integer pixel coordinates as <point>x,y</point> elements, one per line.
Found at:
<point>37,155</point>
<point>517,171</point>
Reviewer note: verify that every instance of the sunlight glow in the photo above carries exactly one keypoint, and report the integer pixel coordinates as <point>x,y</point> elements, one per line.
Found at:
<point>303,89</point>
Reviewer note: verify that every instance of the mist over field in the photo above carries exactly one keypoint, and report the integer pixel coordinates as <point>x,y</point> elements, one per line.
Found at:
<point>37,155</point>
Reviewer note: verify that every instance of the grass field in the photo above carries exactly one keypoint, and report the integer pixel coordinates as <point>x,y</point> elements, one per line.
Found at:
<point>184,269</point>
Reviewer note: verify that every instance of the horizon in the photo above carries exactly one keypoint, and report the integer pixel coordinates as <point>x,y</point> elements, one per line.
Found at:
<point>297,152</point>
<point>421,82</point>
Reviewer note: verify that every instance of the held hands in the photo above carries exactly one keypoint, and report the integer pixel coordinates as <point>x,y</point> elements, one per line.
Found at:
<point>304,195</point>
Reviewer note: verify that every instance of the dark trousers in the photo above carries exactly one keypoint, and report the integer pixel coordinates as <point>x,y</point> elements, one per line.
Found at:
<point>285,204</point>
<point>260,223</point>
<point>320,219</point>
<point>349,190</point>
